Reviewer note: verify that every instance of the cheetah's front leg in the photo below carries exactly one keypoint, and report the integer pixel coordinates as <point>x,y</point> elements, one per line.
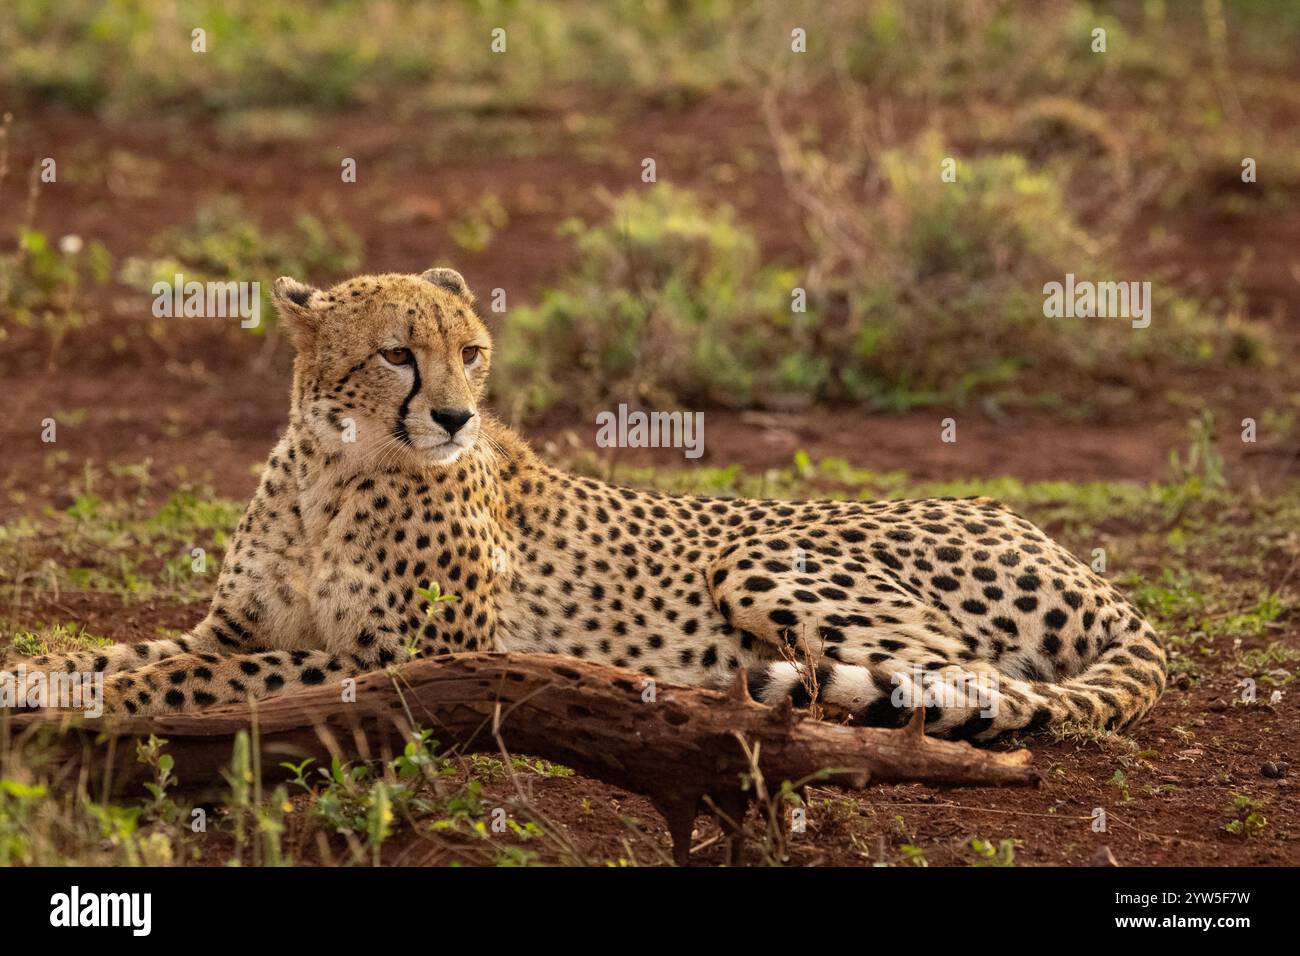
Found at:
<point>221,632</point>
<point>362,631</point>
<point>190,681</point>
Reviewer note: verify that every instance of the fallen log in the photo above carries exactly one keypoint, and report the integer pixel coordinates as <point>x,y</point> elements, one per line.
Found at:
<point>676,745</point>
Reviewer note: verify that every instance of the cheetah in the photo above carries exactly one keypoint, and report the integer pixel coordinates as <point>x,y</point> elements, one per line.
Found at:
<point>392,478</point>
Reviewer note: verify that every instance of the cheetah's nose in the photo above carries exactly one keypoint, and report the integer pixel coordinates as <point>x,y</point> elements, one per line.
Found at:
<point>452,418</point>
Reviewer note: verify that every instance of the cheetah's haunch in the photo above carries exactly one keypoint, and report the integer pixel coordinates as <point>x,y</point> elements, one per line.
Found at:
<point>390,479</point>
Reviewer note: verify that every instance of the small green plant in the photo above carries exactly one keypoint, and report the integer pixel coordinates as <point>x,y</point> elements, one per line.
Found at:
<point>433,594</point>
<point>419,758</point>
<point>543,768</point>
<point>299,771</point>
<point>1247,819</point>
<point>20,803</point>
<point>489,768</point>
<point>346,800</point>
<point>1203,461</point>
<point>1119,779</point>
<point>512,856</point>
<point>117,825</point>
<point>42,280</point>
<point>150,753</point>
<point>986,854</point>
<point>42,283</point>
<point>463,809</point>
<point>26,642</point>
<point>914,855</point>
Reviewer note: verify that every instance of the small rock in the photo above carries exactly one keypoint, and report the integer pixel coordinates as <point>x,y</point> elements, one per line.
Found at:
<point>1218,705</point>
<point>1183,681</point>
<point>1103,857</point>
<point>1283,766</point>
<point>1271,770</point>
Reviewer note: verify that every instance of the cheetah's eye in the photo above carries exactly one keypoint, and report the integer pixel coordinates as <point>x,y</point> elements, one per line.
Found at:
<point>398,356</point>
<point>470,353</point>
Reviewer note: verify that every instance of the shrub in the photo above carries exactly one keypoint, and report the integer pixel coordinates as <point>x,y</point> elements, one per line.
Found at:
<point>41,283</point>
<point>947,298</point>
<point>669,301</point>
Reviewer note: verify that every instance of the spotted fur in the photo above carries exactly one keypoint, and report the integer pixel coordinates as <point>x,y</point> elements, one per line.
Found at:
<point>850,603</point>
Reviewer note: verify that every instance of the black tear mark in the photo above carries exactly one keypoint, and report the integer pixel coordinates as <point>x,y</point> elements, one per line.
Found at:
<point>399,430</point>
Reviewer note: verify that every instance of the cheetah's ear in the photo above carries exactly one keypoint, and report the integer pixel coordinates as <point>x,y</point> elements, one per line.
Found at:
<point>449,279</point>
<point>296,295</point>
<point>296,303</point>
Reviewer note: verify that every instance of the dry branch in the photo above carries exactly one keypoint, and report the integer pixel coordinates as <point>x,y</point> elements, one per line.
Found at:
<point>677,746</point>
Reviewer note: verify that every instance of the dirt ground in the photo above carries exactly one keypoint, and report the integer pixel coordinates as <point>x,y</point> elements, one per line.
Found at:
<point>204,410</point>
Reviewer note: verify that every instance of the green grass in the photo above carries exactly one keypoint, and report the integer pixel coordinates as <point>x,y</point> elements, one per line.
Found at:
<point>332,54</point>
<point>344,813</point>
<point>124,549</point>
<point>57,639</point>
<point>223,243</point>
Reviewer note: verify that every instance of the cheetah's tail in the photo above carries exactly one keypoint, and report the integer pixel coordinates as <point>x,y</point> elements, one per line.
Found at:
<point>976,701</point>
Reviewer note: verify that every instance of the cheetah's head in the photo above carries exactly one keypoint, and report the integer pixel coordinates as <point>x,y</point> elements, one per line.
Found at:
<point>389,365</point>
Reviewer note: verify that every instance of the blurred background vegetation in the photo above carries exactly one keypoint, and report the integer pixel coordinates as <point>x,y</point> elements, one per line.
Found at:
<point>777,170</point>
